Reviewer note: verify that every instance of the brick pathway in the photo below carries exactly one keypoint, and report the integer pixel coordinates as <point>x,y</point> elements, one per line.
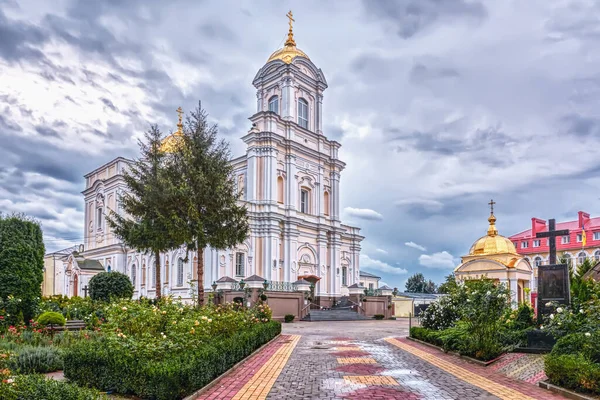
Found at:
<point>313,361</point>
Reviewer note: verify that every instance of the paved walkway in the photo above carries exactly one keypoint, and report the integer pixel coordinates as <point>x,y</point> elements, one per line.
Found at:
<point>363,359</point>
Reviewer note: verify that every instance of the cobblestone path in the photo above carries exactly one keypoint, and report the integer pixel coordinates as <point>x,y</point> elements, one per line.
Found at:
<point>363,360</point>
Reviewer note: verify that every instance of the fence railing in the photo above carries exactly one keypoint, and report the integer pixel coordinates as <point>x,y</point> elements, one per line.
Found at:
<point>373,292</point>
<point>272,286</point>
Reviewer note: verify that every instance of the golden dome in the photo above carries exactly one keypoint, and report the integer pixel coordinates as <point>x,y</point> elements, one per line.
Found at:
<point>289,50</point>
<point>492,243</point>
<point>170,143</point>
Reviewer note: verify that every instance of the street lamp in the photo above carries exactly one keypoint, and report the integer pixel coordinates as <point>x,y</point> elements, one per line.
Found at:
<point>242,284</point>
<point>265,284</point>
<point>214,286</point>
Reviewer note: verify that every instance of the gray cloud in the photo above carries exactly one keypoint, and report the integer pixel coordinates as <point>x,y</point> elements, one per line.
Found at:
<point>20,40</point>
<point>412,16</point>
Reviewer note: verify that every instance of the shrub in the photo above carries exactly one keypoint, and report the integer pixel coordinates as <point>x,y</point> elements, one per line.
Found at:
<point>289,317</point>
<point>105,366</point>
<point>36,360</point>
<point>441,314</point>
<point>51,318</point>
<point>107,285</point>
<point>38,387</point>
<point>379,316</point>
<point>573,371</point>
<point>587,345</point>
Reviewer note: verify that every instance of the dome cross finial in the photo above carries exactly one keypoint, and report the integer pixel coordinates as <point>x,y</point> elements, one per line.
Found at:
<point>180,124</point>
<point>491,203</point>
<point>290,39</point>
<point>492,231</point>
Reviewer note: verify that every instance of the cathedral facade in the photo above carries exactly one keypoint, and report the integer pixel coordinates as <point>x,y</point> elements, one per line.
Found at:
<point>290,183</point>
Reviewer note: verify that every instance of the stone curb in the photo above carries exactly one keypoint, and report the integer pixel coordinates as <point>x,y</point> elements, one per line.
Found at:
<point>212,383</point>
<point>565,392</point>
<point>470,359</point>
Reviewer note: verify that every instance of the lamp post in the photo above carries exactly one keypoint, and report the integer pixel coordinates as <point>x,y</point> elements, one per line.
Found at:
<point>214,286</point>
<point>242,284</point>
<point>266,284</point>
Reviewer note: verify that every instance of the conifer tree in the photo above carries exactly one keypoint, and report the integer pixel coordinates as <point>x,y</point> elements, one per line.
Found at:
<point>209,200</point>
<point>151,222</point>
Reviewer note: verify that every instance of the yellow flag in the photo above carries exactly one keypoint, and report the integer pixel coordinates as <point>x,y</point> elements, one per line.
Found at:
<point>583,238</point>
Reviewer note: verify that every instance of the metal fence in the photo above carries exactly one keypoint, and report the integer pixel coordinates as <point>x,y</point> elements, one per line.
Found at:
<point>272,286</point>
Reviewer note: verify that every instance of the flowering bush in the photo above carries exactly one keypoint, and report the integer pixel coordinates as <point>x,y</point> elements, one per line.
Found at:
<point>441,315</point>
<point>75,308</point>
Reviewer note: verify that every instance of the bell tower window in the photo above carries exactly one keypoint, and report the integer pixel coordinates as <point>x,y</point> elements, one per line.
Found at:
<point>274,104</point>
<point>303,113</point>
<point>304,201</point>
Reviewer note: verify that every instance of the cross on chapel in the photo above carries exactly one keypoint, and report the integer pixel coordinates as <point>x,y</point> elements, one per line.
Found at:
<point>491,203</point>
<point>551,235</point>
<point>85,290</point>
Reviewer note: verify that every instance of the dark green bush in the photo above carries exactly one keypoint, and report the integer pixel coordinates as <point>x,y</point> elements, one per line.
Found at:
<point>107,285</point>
<point>38,387</point>
<point>32,360</point>
<point>586,345</point>
<point>379,316</point>
<point>289,317</point>
<point>426,335</point>
<point>50,318</point>
<point>105,367</point>
<point>573,371</point>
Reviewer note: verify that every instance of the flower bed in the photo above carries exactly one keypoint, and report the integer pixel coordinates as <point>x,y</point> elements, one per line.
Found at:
<point>167,350</point>
<point>574,362</point>
<point>475,320</point>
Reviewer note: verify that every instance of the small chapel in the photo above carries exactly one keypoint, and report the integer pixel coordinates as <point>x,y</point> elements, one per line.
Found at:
<point>494,256</point>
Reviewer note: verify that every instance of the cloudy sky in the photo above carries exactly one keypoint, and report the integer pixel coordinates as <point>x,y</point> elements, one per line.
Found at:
<point>439,105</point>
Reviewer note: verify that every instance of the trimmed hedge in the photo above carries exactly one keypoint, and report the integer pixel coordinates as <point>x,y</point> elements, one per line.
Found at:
<point>107,285</point>
<point>104,367</point>
<point>289,317</point>
<point>379,316</point>
<point>38,387</point>
<point>573,371</point>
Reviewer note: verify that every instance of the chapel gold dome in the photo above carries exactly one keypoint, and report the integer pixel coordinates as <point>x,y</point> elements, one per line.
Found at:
<point>171,142</point>
<point>492,243</point>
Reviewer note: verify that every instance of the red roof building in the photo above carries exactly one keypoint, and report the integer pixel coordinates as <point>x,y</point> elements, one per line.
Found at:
<point>570,246</point>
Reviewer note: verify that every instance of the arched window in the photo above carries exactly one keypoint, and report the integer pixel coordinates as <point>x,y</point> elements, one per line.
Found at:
<point>597,255</point>
<point>108,268</point>
<point>304,201</point>
<point>274,104</point>
<point>567,258</point>
<point>133,275</point>
<point>280,186</point>
<point>99,218</point>
<point>143,275</point>
<point>303,113</point>
<point>180,272</point>
<point>153,277</point>
<point>581,257</point>
<point>538,261</point>
<point>166,271</point>
<point>326,203</point>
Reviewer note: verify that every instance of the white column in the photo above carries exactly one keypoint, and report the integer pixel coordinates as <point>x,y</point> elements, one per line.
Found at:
<point>335,195</point>
<point>292,190</point>
<point>287,100</point>
<point>273,175</point>
<point>251,176</point>
<point>319,114</point>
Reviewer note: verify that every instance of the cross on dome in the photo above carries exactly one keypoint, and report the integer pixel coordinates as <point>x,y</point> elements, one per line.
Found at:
<point>289,50</point>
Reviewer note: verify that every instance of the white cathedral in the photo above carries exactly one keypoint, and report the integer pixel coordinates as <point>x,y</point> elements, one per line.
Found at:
<point>290,176</point>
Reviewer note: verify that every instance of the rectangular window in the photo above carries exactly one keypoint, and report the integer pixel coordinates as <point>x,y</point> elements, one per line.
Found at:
<point>239,264</point>
<point>579,238</point>
<point>362,284</point>
<point>370,286</point>
<point>524,245</point>
<point>180,272</point>
<point>99,218</point>
<point>596,235</point>
<point>536,243</point>
<point>344,276</point>
<point>565,240</point>
<point>304,201</point>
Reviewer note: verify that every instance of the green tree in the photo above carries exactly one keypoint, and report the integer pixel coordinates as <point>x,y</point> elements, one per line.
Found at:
<point>209,201</point>
<point>449,285</point>
<point>21,264</point>
<point>107,285</point>
<point>418,284</point>
<point>151,221</point>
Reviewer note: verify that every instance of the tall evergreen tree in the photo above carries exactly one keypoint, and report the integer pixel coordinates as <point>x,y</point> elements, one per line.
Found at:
<point>21,263</point>
<point>210,201</point>
<point>418,284</point>
<point>151,222</point>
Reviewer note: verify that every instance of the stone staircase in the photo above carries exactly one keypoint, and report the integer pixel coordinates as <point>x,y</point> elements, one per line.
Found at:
<point>335,314</point>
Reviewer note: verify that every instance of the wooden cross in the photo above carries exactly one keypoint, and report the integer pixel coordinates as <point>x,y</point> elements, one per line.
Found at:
<point>290,16</point>
<point>491,203</point>
<point>85,290</point>
<point>552,234</point>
